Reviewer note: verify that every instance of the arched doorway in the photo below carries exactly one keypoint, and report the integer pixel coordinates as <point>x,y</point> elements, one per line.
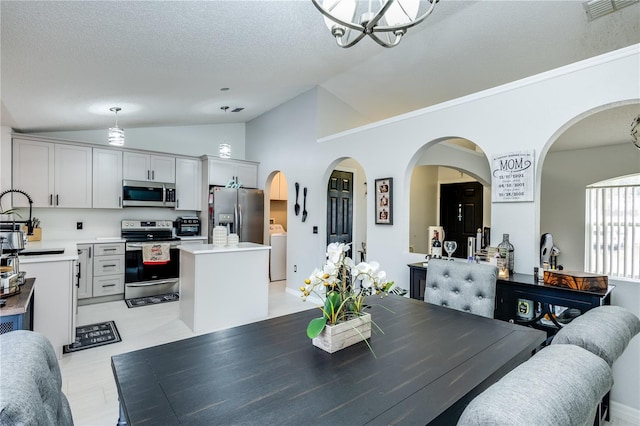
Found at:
<point>449,192</point>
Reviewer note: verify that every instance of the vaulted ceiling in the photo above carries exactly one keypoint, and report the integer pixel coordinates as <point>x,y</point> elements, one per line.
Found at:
<point>65,63</point>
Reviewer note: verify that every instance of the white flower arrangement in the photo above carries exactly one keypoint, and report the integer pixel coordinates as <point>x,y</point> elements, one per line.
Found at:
<point>345,285</point>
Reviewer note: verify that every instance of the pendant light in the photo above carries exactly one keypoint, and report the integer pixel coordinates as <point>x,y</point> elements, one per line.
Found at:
<point>116,134</point>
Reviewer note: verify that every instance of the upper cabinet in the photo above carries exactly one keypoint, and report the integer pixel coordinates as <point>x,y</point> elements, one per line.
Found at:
<point>188,184</point>
<point>279,187</point>
<point>107,178</point>
<point>53,174</point>
<point>149,167</point>
<point>224,171</point>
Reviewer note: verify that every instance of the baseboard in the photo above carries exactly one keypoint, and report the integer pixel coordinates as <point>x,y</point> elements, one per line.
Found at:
<point>625,413</point>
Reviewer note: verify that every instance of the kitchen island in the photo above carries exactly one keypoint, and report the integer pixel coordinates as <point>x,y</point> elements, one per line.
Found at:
<point>223,287</point>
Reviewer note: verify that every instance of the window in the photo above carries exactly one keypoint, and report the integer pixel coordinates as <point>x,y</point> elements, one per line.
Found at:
<point>613,227</point>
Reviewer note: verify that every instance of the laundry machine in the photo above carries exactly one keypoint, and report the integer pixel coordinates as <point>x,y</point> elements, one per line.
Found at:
<point>278,256</point>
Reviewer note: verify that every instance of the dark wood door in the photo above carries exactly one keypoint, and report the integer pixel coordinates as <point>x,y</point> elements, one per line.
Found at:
<point>340,208</point>
<point>460,213</point>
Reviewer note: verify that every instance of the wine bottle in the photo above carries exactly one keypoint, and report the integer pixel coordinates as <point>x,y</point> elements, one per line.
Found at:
<point>436,246</point>
<point>506,252</point>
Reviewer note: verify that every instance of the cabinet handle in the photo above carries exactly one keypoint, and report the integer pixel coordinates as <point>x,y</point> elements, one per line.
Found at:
<point>50,199</point>
<point>79,273</point>
<point>57,199</point>
<point>119,201</point>
<point>109,249</point>
<point>153,175</point>
<point>177,204</point>
<point>148,174</point>
<point>108,266</point>
<point>90,252</point>
<point>108,285</point>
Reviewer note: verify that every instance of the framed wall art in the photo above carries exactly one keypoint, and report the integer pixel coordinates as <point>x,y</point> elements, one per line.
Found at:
<point>384,201</point>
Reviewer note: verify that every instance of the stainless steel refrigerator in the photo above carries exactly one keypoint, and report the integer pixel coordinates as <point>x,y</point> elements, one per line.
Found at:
<point>241,210</point>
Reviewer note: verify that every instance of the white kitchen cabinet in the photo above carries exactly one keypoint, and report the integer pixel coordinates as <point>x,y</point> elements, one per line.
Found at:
<point>224,171</point>
<point>107,178</point>
<point>54,308</point>
<point>85,271</point>
<point>149,167</point>
<point>188,184</point>
<point>103,274</point>
<point>279,187</point>
<point>108,269</point>
<point>54,175</point>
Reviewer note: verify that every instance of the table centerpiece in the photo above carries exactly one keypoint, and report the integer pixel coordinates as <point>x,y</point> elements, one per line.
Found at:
<point>342,286</point>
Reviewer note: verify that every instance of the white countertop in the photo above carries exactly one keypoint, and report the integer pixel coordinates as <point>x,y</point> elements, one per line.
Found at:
<point>210,248</point>
<point>70,247</point>
<point>70,251</point>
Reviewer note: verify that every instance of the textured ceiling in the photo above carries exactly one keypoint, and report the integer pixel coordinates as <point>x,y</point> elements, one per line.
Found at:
<point>63,64</point>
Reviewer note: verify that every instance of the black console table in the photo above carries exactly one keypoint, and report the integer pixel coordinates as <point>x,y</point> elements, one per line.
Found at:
<point>524,287</point>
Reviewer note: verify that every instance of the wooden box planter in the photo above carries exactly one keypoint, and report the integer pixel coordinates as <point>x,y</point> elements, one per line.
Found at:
<point>344,334</point>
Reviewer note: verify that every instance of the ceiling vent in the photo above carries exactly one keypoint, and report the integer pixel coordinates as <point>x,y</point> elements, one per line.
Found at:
<point>598,8</point>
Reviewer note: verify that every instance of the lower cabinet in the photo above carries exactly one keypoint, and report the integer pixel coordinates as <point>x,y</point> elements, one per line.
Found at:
<point>54,313</point>
<point>101,271</point>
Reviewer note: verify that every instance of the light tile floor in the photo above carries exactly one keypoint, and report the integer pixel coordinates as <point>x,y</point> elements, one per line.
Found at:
<point>87,379</point>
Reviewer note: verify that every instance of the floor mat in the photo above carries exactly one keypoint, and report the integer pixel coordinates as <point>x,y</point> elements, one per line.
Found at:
<point>90,336</point>
<point>136,302</point>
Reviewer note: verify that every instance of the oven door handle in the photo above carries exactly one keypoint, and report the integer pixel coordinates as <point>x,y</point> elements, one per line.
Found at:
<point>150,283</point>
<point>138,247</point>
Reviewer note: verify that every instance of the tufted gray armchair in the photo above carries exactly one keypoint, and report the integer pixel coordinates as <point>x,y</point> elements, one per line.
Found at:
<point>467,287</point>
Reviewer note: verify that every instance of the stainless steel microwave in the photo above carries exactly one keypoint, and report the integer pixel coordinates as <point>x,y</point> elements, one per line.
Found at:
<point>148,194</point>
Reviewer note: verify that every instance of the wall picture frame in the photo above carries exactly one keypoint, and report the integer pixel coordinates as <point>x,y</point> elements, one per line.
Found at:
<point>384,201</point>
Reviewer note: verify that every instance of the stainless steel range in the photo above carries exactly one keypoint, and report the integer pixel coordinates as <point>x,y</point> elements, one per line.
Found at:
<point>144,276</point>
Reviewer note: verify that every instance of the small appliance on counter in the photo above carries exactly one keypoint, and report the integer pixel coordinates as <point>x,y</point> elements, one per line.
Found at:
<point>11,243</point>
<point>187,226</point>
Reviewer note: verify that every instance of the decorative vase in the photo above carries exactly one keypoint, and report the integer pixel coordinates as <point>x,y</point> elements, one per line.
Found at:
<point>219,237</point>
<point>344,334</point>
<point>233,240</point>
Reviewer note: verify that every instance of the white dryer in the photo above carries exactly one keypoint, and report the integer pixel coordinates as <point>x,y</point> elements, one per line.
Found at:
<point>278,257</point>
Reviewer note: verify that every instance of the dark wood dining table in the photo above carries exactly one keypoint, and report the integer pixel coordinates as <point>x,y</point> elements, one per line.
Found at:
<point>427,363</point>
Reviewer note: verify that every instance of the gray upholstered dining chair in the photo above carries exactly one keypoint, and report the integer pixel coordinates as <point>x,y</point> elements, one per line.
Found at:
<point>604,331</point>
<point>559,385</point>
<point>467,287</point>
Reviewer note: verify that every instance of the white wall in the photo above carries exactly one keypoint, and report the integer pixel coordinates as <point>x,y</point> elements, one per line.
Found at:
<point>184,140</point>
<point>423,207</point>
<point>5,164</point>
<point>495,120</point>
